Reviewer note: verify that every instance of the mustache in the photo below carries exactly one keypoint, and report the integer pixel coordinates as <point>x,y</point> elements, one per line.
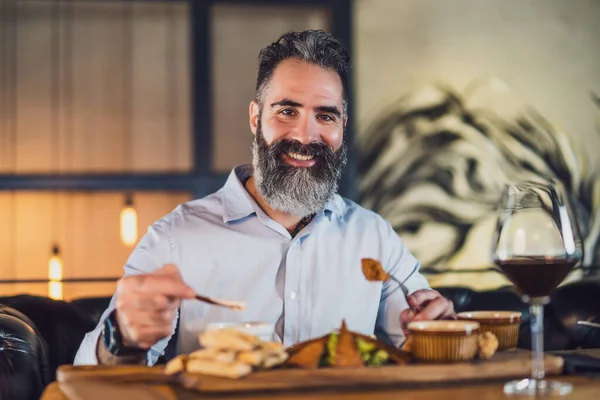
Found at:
<point>313,149</point>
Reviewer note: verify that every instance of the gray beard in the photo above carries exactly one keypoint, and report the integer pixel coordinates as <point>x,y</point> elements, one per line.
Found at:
<point>296,191</point>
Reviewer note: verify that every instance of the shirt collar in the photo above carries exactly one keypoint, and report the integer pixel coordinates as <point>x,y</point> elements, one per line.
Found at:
<point>335,207</point>
<point>238,203</point>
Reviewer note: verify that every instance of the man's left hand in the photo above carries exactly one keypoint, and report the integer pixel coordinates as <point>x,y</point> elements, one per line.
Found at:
<point>429,305</point>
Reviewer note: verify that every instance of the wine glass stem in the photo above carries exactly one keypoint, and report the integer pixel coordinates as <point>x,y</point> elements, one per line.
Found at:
<point>536,312</point>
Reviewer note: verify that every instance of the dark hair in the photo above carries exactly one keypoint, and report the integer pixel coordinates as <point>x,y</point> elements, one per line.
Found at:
<point>312,46</point>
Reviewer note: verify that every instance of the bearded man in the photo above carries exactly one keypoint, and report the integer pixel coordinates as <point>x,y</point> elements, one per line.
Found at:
<point>276,236</point>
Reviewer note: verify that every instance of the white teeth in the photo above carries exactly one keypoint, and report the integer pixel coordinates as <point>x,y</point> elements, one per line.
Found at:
<point>300,156</point>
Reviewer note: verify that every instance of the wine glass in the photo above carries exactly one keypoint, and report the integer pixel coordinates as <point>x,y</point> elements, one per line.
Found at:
<point>536,244</point>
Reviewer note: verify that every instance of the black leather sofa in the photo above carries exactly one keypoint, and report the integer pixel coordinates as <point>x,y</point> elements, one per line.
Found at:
<point>38,334</point>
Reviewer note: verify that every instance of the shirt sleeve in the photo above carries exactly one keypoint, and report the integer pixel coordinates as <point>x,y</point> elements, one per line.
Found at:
<point>154,250</point>
<point>402,265</point>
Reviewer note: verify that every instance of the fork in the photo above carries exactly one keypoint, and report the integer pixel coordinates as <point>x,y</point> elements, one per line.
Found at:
<point>234,305</point>
<point>404,289</point>
<point>590,324</point>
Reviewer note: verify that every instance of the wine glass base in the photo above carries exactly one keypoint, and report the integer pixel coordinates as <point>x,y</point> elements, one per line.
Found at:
<point>533,387</point>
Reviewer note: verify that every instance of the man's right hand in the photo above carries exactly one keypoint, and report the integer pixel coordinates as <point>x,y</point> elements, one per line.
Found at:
<point>146,305</point>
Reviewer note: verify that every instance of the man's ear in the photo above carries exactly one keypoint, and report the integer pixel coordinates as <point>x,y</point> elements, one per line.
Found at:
<point>254,115</point>
<point>345,120</point>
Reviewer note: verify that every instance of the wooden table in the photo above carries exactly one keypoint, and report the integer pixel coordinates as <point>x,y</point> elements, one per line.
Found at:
<point>93,389</point>
<point>584,388</point>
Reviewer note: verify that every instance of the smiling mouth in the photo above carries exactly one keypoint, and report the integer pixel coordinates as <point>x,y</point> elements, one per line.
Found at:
<point>298,156</point>
<point>299,160</point>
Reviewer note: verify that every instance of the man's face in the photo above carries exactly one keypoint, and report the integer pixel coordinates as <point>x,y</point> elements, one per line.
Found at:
<point>298,149</point>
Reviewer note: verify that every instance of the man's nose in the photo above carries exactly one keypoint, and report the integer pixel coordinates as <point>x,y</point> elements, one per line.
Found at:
<point>306,131</point>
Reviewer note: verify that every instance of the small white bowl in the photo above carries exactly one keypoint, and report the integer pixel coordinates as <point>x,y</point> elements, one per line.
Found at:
<point>443,327</point>
<point>265,331</point>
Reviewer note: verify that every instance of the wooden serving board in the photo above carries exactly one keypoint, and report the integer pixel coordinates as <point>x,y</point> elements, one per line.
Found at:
<point>504,365</point>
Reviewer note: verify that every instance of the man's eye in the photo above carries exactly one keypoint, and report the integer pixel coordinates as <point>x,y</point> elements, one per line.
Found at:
<point>288,111</point>
<point>326,118</point>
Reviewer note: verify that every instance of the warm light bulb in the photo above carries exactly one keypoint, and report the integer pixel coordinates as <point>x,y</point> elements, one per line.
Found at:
<point>129,226</point>
<point>55,275</point>
<point>55,268</point>
<point>55,290</point>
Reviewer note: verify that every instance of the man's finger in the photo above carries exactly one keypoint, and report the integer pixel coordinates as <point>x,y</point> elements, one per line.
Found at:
<point>168,269</point>
<point>450,312</point>
<point>150,302</point>
<point>406,316</point>
<point>166,285</point>
<point>159,318</point>
<point>420,298</point>
<point>435,309</point>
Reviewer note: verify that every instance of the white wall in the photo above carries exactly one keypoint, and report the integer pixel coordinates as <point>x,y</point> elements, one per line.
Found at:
<point>548,51</point>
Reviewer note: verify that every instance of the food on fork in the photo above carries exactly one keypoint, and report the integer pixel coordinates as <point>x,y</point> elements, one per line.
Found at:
<point>373,270</point>
<point>228,353</point>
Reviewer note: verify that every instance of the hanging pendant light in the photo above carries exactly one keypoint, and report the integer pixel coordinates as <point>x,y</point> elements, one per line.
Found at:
<point>55,275</point>
<point>128,214</point>
<point>128,222</point>
<point>55,264</point>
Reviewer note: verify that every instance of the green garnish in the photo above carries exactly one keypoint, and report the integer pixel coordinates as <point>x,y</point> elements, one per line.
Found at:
<point>379,357</point>
<point>331,348</point>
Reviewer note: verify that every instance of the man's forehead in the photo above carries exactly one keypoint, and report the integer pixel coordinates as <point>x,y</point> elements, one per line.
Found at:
<point>304,82</point>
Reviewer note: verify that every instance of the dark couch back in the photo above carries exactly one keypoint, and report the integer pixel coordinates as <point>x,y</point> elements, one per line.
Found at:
<point>62,325</point>
<point>24,366</point>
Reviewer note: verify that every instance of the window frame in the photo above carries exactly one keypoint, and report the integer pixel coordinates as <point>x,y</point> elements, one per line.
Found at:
<point>202,179</point>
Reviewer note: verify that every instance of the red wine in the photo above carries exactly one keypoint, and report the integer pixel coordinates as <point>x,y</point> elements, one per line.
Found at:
<point>536,276</point>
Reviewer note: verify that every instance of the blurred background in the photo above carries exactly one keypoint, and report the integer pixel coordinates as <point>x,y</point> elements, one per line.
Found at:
<point>114,112</point>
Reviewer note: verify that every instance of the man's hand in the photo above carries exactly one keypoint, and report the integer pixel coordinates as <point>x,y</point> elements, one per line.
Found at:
<point>429,305</point>
<point>146,305</point>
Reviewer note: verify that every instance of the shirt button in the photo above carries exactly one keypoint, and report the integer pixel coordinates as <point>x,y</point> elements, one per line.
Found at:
<point>292,295</point>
